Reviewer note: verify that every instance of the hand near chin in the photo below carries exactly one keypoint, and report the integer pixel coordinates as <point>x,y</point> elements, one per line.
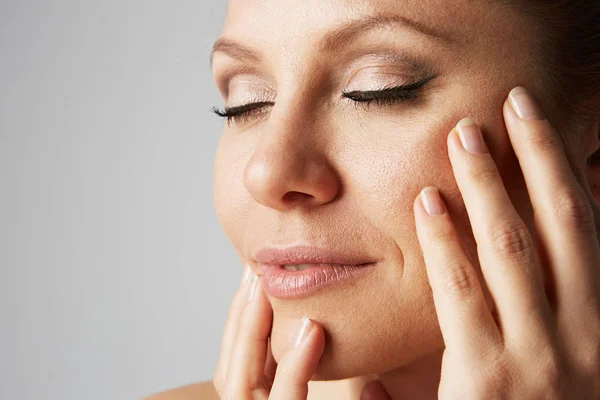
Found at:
<point>538,342</point>
<point>246,368</point>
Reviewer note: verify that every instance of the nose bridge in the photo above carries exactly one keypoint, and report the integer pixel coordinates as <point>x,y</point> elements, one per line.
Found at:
<point>289,165</point>
<point>292,127</point>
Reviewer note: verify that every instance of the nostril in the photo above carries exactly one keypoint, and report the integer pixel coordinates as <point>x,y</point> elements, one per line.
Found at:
<point>292,197</point>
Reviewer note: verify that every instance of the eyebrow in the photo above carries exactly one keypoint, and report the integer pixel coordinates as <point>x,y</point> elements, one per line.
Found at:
<point>332,40</point>
<point>234,50</point>
<point>353,29</point>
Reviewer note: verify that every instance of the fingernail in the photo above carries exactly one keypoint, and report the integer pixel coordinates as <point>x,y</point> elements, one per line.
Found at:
<point>304,330</point>
<point>470,136</point>
<point>253,286</point>
<point>524,104</point>
<point>431,200</point>
<point>245,274</point>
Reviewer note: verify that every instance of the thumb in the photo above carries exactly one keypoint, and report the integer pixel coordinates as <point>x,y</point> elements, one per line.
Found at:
<point>374,390</point>
<point>298,365</point>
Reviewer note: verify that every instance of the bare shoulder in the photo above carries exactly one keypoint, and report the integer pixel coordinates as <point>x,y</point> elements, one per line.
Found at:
<point>196,391</point>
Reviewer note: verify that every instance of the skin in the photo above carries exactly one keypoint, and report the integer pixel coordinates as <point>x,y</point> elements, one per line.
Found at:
<point>317,169</point>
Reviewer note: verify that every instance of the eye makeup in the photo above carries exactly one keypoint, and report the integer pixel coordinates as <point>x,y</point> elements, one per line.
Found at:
<point>384,97</point>
<point>244,112</point>
<point>387,95</point>
<point>372,79</point>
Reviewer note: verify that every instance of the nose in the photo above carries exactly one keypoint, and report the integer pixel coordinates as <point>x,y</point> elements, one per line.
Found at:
<point>289,166</point>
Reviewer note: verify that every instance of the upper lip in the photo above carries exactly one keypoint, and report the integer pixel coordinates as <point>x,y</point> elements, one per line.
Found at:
<point>309,255</point>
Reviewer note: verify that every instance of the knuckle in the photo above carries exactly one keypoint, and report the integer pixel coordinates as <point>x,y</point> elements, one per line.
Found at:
<point>459,279</point>
<point>511,239</point>
<point>543,141</point>
<point>551,367</point>
<point>226,393</point>
<point>591,357</point>
<point>552,376</point>
<point>218,382</point>
<point>442,234</point>
<point>484,174</point>
<point>497,379</point>
<point>493,378</point>
<point>573,208</point>
<point>239,300</point>
<point>234,391</point>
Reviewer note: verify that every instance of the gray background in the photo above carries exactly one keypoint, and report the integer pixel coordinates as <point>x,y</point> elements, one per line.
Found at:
<point>115,276</point>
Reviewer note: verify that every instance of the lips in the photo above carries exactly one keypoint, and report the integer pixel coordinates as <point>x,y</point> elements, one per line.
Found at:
<point>309,255</point>
<point>302,271</point>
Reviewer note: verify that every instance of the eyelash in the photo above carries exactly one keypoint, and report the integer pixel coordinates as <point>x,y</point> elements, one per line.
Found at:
<point>244,112</point>
<point>383,97</point>
<point>386,96</point>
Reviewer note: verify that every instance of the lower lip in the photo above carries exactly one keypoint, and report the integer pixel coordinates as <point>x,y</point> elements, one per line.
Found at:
<point>286,284</point>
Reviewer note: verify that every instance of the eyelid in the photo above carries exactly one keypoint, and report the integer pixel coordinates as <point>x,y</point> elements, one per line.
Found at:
<point>387,95</point>
<point>372,73</point>
<point>399,64</point>
<point>388,90</point>
<point>379,84</point>
<point>251,96</point>
<point>229,78</point>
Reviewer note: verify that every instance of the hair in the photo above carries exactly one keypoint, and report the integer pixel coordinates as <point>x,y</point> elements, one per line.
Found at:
<point>569,57</point>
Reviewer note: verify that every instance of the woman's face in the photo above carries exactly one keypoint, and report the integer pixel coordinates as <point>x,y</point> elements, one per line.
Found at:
<point>320,169</point>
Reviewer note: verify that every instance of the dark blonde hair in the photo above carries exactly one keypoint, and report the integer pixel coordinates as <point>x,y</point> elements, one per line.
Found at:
<point>569,57</point>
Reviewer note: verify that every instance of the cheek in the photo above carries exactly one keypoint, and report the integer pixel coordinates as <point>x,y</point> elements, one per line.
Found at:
<point>232,202</point>
<point>390,319</point>
<point>383,175</point>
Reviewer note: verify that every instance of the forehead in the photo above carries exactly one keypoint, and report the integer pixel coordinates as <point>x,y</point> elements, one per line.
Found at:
<point>295,22</point>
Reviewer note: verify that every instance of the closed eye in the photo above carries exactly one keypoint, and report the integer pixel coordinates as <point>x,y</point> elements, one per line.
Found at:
<point>244,112</point>
<point>389,95</point>
<point>385,96</point>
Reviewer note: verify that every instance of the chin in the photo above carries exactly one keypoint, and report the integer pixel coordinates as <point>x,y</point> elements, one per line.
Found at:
<point>361,340</point>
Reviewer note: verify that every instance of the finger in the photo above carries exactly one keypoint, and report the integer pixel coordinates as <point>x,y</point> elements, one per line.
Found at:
<point>270,365</point>
<point>507,253</point>
<point>231,327</point>
<point>248,358</point>
<point>564,215</point>
<point>467,325</point>
<point>298,365</point>
<point>374,390</point>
